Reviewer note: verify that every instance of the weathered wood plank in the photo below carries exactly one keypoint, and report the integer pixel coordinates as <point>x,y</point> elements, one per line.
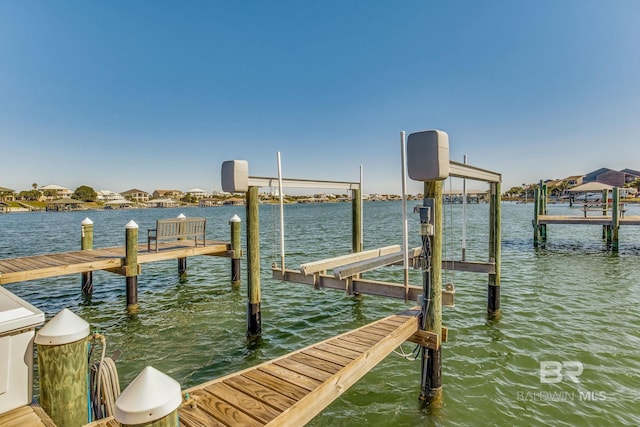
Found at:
<point>268,395</point>
<point>246,403</point>
<point>314,362</point>
<point>303,369</point>
<point>196,417</point>
<point>222,411</point>
<point>349,345</point>
<point>291,376</point>
<point>277,384</point>
<point>338,359</point>
<point>331,347</point>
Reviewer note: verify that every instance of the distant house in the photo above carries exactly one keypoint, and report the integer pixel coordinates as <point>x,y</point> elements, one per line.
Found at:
<point>108,196</point>
<point>612,177</point>
<point>574,180</point>
<point>7,194</point>
<point>168,194</point>
<point>197,193</point>
<point>630,175</point>
<point>55,192</point>
<point>136,195</point>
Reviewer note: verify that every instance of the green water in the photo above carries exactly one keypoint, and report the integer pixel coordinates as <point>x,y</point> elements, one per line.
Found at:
<point>571,302</point>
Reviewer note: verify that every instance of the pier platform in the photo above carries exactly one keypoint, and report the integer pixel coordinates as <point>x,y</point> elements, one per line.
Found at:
<point>110,259</point>
<point>294,388</point>
<point>593,220</point>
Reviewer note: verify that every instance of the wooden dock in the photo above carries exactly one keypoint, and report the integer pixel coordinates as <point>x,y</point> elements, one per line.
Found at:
<point>293,389</point>
<point>592,220</point>
<point>26,416</point>
<point>110,259</point>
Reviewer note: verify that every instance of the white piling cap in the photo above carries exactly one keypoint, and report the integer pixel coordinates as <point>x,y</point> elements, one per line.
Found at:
<point>151,396</point>
<point>181,216</point>
<point>86,221</point>
<point>66,327</point>
<point>235,218</point>
<point>131,224</point>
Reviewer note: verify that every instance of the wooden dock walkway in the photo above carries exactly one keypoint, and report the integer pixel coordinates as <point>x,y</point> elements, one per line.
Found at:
<point>293,389</point>
<point>110,259</point>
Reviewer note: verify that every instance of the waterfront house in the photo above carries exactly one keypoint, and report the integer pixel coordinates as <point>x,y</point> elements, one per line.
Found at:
<point>136,195</point>
<point>168,194</point>
<point>612,177</point>
<point>7,194</point>
<point>55,192</point>
<point>197,193</point>
<point>108,196</point>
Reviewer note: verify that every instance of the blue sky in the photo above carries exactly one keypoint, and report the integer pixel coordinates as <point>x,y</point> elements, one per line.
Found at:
<point>157,94</point>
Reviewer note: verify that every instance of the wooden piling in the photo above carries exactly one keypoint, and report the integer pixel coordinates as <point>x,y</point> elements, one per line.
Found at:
<point>254,321</point>
<point>615,218</point>
<point>536,214</point>
<point>356,220</point>
<point>236,249</point>
<point>131,265</point>
<point>63,382</point>
<point>431,384</point>
<point>605,201</point>
<point>543,210</point>
<point>182,262</point>
<point>86,244</point>
<point>493,294</point>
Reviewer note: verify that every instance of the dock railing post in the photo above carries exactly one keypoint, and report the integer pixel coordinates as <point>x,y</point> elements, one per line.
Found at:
<point>182,262</point>
<point>493,294</point>
<point>131,265</point>
<point>615,218</point>
<point>254,321</point>
<point>431,384</point>
<point>543,210</point>
<point>536,214</point>
<point>356,221</point>
<point>236,250</point>
<point>605,203</point>
<point>86,244</point>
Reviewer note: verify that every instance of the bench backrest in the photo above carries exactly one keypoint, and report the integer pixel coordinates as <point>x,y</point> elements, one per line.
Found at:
<point>181,227</point>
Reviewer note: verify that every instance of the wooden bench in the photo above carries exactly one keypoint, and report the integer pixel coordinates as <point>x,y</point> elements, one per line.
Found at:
<point>177,228</point>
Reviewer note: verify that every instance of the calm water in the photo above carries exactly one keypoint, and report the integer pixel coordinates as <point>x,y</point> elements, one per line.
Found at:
<point>571,302</point>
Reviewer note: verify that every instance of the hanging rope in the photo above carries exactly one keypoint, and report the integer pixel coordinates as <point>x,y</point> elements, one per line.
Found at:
<point>104,386</point>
